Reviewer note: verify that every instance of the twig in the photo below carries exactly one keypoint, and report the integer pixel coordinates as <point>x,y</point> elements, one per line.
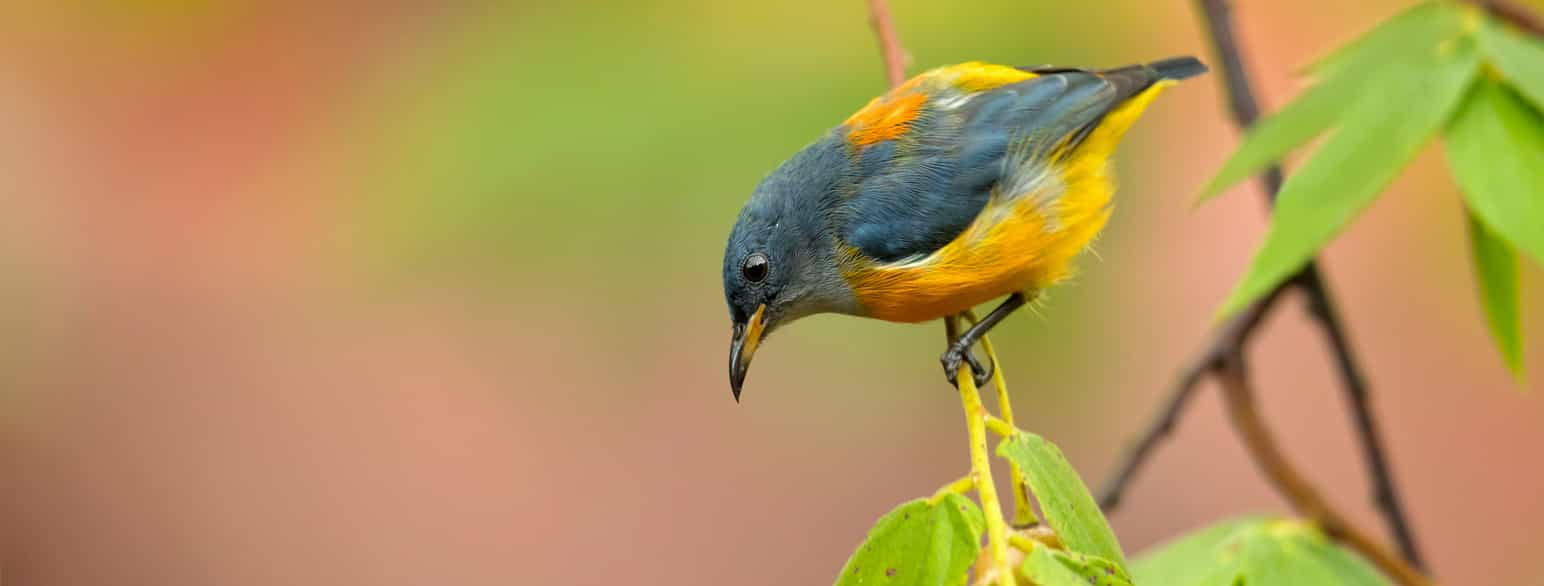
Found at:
<point>1231,340</point>
<point>1230,337</point>
<point>1368,433</point>
<point>1246,111</point>
<point>889,42</point>
<point>1233,374</point>
<point>1029,538</point>
<point>961,486</point>
<point>1515,14</point>
<point>1023,514</point>
<point>981,464</point>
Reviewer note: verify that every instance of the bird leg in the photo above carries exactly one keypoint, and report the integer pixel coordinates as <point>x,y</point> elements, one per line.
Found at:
<point>982,373</point>
<point>959,350</point>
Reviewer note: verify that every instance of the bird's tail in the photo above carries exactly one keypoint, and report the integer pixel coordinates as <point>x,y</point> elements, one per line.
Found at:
<point>1135,88</point>
<point>1135,79</point>
<point>1177,68</point>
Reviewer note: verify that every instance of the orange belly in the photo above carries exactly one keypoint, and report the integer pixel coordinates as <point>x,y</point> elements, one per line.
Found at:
<point>1011,247</point>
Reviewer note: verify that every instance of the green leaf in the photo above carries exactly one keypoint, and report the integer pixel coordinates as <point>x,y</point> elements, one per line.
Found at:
<point>919,544</point>
<point>1495,146</point>
<point>1274,136</point>
<point>1256,552</point>
<point>1379,134</point>
<point>1050,567</point>
<point>1064,499</point>
<point>1408,34</point>
<point>1411,37</point>
<point>1519,57</point>
<point>1193,559</point>
<point>1495,270</point>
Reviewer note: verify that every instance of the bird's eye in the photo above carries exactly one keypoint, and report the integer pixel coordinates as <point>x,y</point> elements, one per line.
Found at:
<point>755,267</point>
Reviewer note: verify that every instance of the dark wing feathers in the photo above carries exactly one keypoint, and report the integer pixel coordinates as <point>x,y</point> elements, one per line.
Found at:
<point>918,192</point>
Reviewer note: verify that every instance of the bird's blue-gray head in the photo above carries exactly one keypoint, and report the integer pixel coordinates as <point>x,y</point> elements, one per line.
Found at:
<point>780,263</point>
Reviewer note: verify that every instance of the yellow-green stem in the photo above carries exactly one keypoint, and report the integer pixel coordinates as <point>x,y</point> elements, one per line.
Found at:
<point>999,427</point>
<point>981,470</point>
<point>1023,543</point>
<point>960,486</point>
<point>1022,513</point>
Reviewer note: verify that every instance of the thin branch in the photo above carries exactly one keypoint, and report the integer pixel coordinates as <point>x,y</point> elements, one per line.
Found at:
<point>1245,415</point>
<point>1245,111</point>
<point>889,42</point>
<point>1515,14</point>
<point>1230,336</point>
<point>981,465</point>
<point>1368,433</point>
<point>1023,514</point>
<point>1241,99</point>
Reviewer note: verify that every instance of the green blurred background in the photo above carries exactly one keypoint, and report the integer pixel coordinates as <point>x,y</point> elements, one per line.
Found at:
<point>402,293</point>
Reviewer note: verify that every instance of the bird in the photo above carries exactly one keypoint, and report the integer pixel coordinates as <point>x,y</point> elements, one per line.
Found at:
<point>964,184</point>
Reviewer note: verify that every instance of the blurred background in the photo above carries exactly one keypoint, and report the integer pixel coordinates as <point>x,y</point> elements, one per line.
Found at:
<point>404,293</point>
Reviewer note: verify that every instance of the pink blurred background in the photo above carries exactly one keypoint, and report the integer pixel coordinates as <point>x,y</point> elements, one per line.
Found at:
<point>403,293</point>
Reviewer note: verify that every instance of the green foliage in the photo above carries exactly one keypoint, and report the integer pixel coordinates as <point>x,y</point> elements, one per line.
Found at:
<point>934,543</point>
<point>1346,76</point>
<point>1406,35</point>
<point>1378,101</point>
<point>1064,500</point>
<point>1051,567</point>
<point>1495,146</point>
<point>1379,132</point>
<point>1255,552</point>
<point>919,543</point>
<point>1495,268</point>
<point>1520,59</point>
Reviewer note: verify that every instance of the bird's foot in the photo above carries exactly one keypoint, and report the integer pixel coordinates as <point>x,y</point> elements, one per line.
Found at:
<point>959,353</point>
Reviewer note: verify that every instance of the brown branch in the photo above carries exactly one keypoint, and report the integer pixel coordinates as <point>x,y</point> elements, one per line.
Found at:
<point>1233,374</point>
<point>1516,14</point>
<point>1246,112</point>
<point>1234,336</point>
<point>1230,337</point>
<point>889,42</point>
<point>1368,434</point>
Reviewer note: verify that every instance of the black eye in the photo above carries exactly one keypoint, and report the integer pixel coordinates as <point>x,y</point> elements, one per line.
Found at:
<point>755,267</point>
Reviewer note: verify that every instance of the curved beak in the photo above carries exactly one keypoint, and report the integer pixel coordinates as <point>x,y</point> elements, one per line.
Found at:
<point>747,336</point>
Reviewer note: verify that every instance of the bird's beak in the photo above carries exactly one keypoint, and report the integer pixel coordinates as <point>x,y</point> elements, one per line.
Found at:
<point>742,347</point>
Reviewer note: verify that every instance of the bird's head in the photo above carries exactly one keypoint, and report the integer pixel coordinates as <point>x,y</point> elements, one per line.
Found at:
<point>781,263</point>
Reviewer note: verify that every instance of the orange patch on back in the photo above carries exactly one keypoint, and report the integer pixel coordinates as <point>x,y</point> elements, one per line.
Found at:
<point>889,116</point>
<point>884,118</point>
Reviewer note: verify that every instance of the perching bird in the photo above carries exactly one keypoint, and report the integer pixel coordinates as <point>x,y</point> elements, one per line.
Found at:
<point>962,185</point>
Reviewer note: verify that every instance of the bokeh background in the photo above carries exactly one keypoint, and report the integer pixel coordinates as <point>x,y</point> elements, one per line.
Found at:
<point>406,293</point>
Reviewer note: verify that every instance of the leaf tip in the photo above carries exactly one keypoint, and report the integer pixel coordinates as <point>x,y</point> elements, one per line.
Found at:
<point>1516,367</point>
<point>1240,298</point>
<point>1212,189</point>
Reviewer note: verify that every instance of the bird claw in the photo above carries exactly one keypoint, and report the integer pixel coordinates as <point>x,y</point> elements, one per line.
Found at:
<point>957,353</point>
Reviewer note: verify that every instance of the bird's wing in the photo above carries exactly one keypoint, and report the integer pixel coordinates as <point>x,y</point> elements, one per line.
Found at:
<point>929,154</point>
